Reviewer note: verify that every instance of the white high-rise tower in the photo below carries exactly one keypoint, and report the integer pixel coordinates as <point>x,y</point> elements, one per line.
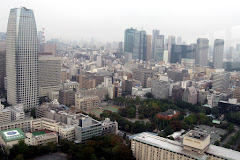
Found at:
<point>22,58</point>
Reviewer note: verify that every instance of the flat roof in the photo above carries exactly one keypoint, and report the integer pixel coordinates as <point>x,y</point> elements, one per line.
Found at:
<point>167,144</point>
<point>177,147</point>
<point>39,132</point>
<point>197,135</point>
<point>12,134</point>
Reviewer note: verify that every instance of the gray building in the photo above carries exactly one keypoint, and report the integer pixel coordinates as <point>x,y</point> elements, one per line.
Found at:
<point>2,69</point>
<point>171,41</point>
<point>142,74</point>
<point>202,52</point>
<point>129,40</point>
<point>220,81</point>
<point>49,74</point>
<point>157,46</point>
<point>218,53</point>
<point>140,45</point>
<point>160,88</point>
<point>22,59</point>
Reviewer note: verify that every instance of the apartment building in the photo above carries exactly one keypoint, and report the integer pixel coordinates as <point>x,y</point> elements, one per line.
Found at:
<point>86,102</point>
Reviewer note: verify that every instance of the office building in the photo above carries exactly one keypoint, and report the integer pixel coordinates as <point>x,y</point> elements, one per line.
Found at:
<point>129,40</point>
<point>99,61</point>
<point>49,75</point>
<point>171,41</point>
<point>22,60</point>
<point>179,40</point>
<point>160,88</point>
<point>86,102</point>
<point>142,74</point>
<point>195,146</point>
<point>139,45</point>
<point>149,47</point>
<point>178,52</point>
<point>86,82</point>
<point>2,69</point>
<point>218,53</point>
<point>188,63</point>
<point>157,46</point>
<point>120,47</point>
<point>128,57</point>
<point>5,115</point>
<point>17,112</point>
<point>220,81</point>
<point>202,49</point>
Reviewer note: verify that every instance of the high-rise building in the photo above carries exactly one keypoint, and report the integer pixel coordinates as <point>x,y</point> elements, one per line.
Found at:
<point>129,40</point>
<point>135,42</point>
<point>202,52</point>
<point>157,46</point>
<point>40,41</point>
<point>2,69</point>
<point>171,41</point>
<point>179,40</point>
<point>99,61</point>
<point>149,39</point>
<point>49,75</point>
<point>120,47</point>
<point>178,52</point>
<point>218,53</point>
<point>22,59</point>
<point>220,81</point>
<point>139,45</point>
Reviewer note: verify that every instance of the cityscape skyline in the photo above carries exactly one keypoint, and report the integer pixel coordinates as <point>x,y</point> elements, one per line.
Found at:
<point>203,21</point>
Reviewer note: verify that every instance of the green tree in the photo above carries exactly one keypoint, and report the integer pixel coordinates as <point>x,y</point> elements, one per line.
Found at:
<point>131,112</point>
<point>168,130</point>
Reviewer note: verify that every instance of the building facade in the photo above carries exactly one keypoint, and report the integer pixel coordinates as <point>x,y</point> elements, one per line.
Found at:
<point>22,59</point>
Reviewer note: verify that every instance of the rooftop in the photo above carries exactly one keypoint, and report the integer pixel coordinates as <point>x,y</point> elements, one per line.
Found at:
<point>197,135</point>
<point>12,134</point>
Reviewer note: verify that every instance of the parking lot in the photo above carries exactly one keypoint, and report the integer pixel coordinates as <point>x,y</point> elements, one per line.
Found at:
<point>213,131</point>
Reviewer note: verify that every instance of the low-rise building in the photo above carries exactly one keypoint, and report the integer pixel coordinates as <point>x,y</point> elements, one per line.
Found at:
<point>190,95</point>
<point>11,137</point>
<point>86,102</point>
<point>195,146</point>
<point>168,115</point>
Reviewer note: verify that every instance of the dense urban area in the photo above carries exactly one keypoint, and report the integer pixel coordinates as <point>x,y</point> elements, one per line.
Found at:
<point>150,97</point>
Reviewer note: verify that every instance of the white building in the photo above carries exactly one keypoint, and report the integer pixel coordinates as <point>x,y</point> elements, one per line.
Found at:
<point>22,59</point>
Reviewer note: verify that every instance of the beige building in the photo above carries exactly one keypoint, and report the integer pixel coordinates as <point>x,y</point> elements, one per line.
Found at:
<point>48,47</point>
<point>195,146</point>
<point>86,102</point>
<point>86,82</point>
<point>5,115</point>
<point>42,139</point>
<point>49,75</point>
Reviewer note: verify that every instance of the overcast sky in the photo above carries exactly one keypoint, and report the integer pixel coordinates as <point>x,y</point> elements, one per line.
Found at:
<point>106,20</point>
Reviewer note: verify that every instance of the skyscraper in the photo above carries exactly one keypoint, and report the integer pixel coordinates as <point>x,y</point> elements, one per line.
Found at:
<point>218,53</point>
<point>140,45</point>
<point>202,52</point>
<point>129,40</point>
<point>149,38</point>
<point>22,58</point>
<point>171,41</point>
<point>157,46</point>
<point>178,52</point>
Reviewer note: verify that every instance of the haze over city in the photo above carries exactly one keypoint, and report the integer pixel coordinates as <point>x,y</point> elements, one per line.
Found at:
<point>119,80</point>
<point>106,20</point>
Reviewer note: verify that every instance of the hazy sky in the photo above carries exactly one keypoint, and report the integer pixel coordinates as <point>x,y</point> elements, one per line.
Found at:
<point>106,20</point>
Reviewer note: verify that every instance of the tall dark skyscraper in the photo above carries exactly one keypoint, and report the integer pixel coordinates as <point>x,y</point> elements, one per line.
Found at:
<point>157,46</point>
<point>22,58</point>
<point>202,52</point>
<point>129,40</point>
<point>171,41</point>
<point>135,42</point>
<point>179,51</point>
<point>218,53</point>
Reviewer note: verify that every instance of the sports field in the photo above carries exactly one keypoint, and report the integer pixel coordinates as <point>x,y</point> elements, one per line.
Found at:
<point>111,108</point>
<point>37,133</point>
<point>96,112</point>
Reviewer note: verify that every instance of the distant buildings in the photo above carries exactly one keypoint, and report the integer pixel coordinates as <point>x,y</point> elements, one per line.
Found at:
<point>157,46</point>
<point>22,61</point>
<point>135,42</point>
<point>202,51</point>
<point>160,88</point>
<point>218,53</point>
